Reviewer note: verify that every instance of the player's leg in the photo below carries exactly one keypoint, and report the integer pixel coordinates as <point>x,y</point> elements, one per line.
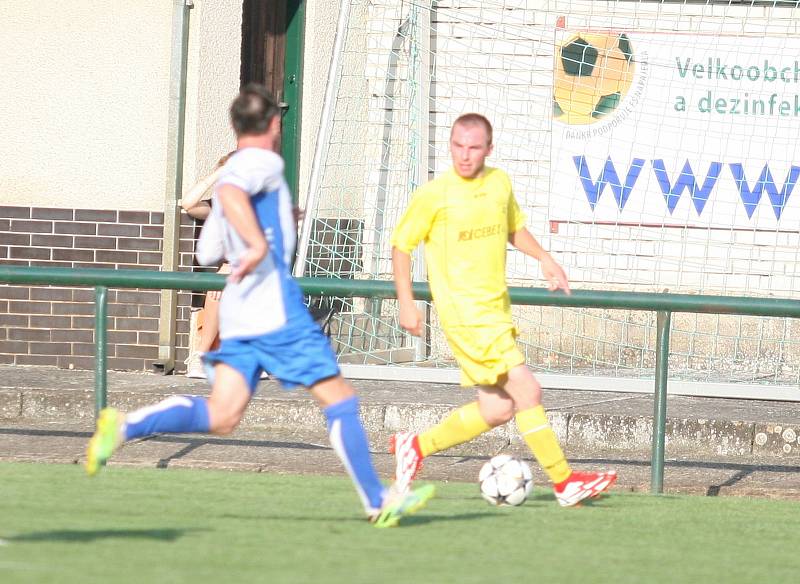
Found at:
<point>479,362</point>
<point>526,393</point>
<point>458,427</point>
<point>219,413</point>
<point>208,321</point>
<point>210,332</point>
<point>302,356</point>
<point>492,408</point>
<point>399,505</point>
<point>340,405</point>
<point>479,365</point>
<point>495,405</point>
<point>230,394</point>
<point>570,486</point>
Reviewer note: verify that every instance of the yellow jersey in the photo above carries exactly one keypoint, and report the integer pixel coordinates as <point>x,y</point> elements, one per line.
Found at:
<point>465,224</point>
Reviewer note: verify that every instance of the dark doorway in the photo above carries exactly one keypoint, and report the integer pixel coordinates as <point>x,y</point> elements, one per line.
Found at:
<point>264,44</point>
<point>272,54</point>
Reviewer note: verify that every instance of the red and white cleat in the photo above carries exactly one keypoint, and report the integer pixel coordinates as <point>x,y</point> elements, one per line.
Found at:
<point>583,485</point>
<point>405,447</point>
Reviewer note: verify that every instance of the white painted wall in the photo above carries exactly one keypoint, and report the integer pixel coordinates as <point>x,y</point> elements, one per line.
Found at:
<point>83,118</point>
<point>213,81</point>
<point>320,33</point>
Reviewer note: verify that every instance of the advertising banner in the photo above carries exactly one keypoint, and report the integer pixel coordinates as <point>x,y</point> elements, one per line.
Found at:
<point>676,129</point>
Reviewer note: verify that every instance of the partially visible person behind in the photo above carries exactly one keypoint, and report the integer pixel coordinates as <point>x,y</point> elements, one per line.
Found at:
<point>197,204</point>
<point>264,322</point>
<point>466,217</point>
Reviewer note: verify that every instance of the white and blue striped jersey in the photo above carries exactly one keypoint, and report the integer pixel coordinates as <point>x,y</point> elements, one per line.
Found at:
<point>268,298</point>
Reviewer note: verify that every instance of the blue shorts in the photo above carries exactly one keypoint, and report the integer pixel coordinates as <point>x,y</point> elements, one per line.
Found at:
<point>295,356</point>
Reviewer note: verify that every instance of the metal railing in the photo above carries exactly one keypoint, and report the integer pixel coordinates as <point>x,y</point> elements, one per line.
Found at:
<point>663,304</point>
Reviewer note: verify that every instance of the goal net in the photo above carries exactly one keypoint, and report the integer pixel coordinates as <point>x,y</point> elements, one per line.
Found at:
<point>652,145</point>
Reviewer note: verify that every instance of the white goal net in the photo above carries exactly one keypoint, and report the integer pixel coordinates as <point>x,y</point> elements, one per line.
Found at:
<point>652,145</point>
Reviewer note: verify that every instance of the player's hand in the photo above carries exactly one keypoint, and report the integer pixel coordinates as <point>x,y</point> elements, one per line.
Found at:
<point>555,275</point>
<point>411,319</point>
<point>247,263</point>
<point>298,213</point>
<point>214,295</point>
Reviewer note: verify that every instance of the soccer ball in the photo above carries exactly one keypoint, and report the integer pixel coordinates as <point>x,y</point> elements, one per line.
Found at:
<point>505,480</point>
<point>593,72</point>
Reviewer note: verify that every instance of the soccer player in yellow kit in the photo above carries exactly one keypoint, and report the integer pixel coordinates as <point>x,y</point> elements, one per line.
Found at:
<point>466,216</point>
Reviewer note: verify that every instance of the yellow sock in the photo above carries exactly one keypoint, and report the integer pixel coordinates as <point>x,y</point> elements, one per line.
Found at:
<point>458,427</point>
<point>540,438</point>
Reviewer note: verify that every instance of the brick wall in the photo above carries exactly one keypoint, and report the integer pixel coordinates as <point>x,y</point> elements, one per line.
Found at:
<point>45,325</point>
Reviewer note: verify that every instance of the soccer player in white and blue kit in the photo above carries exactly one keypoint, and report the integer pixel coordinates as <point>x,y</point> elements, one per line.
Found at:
<point>264,322</point>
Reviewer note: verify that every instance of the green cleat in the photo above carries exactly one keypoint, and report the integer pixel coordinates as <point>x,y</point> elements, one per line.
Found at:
<point>105,441</point>
<point>398,506</point>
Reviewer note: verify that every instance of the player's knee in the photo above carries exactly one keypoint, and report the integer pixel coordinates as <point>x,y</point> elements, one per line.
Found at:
<point>528,401</point>
<point>332,391</point>
<point>223,423</point>
<point>498,414</point>
<point>223,428</point>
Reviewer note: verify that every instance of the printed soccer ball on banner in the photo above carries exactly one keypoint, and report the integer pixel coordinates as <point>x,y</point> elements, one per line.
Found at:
<point>505,480</point>
<point>593,72</point>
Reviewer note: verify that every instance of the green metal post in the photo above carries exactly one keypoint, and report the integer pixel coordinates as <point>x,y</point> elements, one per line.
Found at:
<point>100,348</point>
<point>663,319</point>
<point>293,93</point>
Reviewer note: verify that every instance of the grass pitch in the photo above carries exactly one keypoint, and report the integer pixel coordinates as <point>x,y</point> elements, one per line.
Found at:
<point>192,526</point>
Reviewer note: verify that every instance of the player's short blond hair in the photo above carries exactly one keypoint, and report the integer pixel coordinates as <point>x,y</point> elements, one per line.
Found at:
<point>473,119</point>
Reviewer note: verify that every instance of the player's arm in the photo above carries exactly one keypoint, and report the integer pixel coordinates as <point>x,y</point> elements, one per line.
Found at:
<point>410,316</point>
<point>524,241</point>
<point>199,210</point>
<point>239,213</point>
<point>413,227</point>
<point>192,201</point>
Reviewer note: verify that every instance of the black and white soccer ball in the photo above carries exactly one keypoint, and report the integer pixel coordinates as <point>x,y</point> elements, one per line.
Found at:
<point>505,480</point>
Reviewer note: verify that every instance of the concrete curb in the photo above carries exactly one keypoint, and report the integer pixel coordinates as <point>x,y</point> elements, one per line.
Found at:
<point>601,434</point>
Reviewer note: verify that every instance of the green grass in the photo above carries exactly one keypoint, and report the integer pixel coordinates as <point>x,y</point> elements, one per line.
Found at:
<point>158,526</point>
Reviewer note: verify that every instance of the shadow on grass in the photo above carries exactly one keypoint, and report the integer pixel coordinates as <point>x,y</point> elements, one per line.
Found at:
<point>294,518</point>
<point>419,519</point>
<point>191,442</point>
<point>436,518</point>
<point>91,535</point>
<point>747,466</point>
<point>545,497</point>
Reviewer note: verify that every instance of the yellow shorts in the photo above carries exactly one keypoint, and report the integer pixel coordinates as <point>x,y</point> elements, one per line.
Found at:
<point>484,353</point>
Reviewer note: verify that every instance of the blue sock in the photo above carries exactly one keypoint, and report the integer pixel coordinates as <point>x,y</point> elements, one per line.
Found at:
<point>350,443</point>
<point>177,414</point>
